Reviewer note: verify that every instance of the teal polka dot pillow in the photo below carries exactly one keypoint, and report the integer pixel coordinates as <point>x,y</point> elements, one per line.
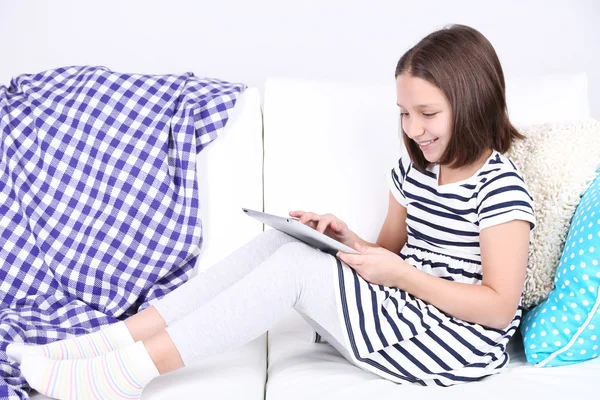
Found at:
<point>565,328</point>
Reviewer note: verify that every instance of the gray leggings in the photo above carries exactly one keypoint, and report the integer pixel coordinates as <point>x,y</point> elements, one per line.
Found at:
<point>244,295</point>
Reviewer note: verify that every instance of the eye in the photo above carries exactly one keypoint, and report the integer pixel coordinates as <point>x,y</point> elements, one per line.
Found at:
<point>426,115</point>
<point>402,114</point>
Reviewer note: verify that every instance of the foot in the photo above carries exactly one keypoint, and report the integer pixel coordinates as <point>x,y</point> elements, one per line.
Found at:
<point>121,374</point>
<point>91,345</point>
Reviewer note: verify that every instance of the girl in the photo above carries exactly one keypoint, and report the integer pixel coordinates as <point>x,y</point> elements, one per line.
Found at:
<point>433,302</point>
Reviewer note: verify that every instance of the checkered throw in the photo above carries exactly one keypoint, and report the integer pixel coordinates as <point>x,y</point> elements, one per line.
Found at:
<point>99,208</point>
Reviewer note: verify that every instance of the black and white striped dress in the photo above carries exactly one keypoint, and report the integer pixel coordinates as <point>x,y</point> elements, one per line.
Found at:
<point>404,339</point>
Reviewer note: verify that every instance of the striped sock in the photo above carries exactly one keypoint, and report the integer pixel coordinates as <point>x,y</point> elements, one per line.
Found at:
<point>87,346</point>
<point>120,374</point>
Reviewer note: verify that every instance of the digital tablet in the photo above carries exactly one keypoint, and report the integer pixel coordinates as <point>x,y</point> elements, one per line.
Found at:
<point>302,232</point>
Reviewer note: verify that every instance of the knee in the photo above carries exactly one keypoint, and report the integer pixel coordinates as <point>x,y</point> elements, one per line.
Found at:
<point>311,273</point>
<point>275,236</point>
<point>298,250</point>
<point>302,258</point>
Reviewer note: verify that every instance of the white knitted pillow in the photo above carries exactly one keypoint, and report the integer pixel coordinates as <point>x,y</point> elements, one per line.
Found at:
<point>558,162</point>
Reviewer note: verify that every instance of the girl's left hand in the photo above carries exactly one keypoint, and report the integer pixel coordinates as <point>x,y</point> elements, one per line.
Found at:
<point>376,265</point>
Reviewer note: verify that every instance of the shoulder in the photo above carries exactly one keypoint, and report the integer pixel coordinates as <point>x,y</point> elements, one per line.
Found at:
<point>500,171</point>
<point>502,193</point>
<point>404,164</point>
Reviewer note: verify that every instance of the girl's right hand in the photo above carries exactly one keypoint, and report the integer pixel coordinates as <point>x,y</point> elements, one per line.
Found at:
<point>327,224</point>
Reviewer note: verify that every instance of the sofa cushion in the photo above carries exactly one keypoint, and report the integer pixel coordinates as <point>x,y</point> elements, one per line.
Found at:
<point>558,161</point>
<point>565,328</point>
<point>211,378</point>
<point>301,370</point>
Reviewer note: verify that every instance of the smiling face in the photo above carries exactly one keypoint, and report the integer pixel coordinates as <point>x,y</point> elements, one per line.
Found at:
<point>426,115</point>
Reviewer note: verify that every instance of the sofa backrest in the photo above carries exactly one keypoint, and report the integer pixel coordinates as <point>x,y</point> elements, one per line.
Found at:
<point>549,98</point>
<point>329,146</point>
<point>230,177</point>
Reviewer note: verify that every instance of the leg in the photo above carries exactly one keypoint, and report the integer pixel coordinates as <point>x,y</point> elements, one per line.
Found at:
<point>165,311</point>
<point>206,285</point>
<point>296,275</point>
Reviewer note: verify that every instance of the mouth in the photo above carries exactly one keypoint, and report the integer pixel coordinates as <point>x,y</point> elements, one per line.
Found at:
<point>426,144</point>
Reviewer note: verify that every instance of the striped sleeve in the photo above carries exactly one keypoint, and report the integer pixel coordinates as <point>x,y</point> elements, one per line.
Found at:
<point>503,198</point>
<point>396,178</point>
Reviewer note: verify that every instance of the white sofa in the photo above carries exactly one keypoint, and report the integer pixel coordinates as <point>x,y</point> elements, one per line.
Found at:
<point>327,147</point>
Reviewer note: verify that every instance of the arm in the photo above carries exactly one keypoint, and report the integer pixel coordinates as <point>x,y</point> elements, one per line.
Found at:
<point>504,252</point>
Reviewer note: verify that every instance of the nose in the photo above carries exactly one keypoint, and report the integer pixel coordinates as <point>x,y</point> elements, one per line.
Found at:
<point>412,127</point>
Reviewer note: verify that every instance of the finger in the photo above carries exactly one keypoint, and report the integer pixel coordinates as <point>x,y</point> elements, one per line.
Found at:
<point>343,256</point>
<point>322,226</point>
<point>341,225</point>
<point>296,213</point>
<point>305,217</point>
<point>361,249</point>
<point>312,224</point>
<point>353,259</point>
<point>309,216</point>
<point>346,259</point>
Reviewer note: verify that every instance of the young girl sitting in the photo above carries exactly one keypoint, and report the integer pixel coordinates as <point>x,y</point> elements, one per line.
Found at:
<point>433,302</point>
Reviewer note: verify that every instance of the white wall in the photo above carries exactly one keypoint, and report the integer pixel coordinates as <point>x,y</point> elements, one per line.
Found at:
<point>327,39</point>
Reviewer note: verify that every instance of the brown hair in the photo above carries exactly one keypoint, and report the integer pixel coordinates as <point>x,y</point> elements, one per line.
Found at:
<point>463,64</point>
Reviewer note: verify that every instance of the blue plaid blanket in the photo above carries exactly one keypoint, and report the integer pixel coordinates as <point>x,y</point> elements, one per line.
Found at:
<point>99,208</point>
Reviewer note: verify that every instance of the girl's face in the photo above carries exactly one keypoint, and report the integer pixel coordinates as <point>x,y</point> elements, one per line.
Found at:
<point>425,114</point>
